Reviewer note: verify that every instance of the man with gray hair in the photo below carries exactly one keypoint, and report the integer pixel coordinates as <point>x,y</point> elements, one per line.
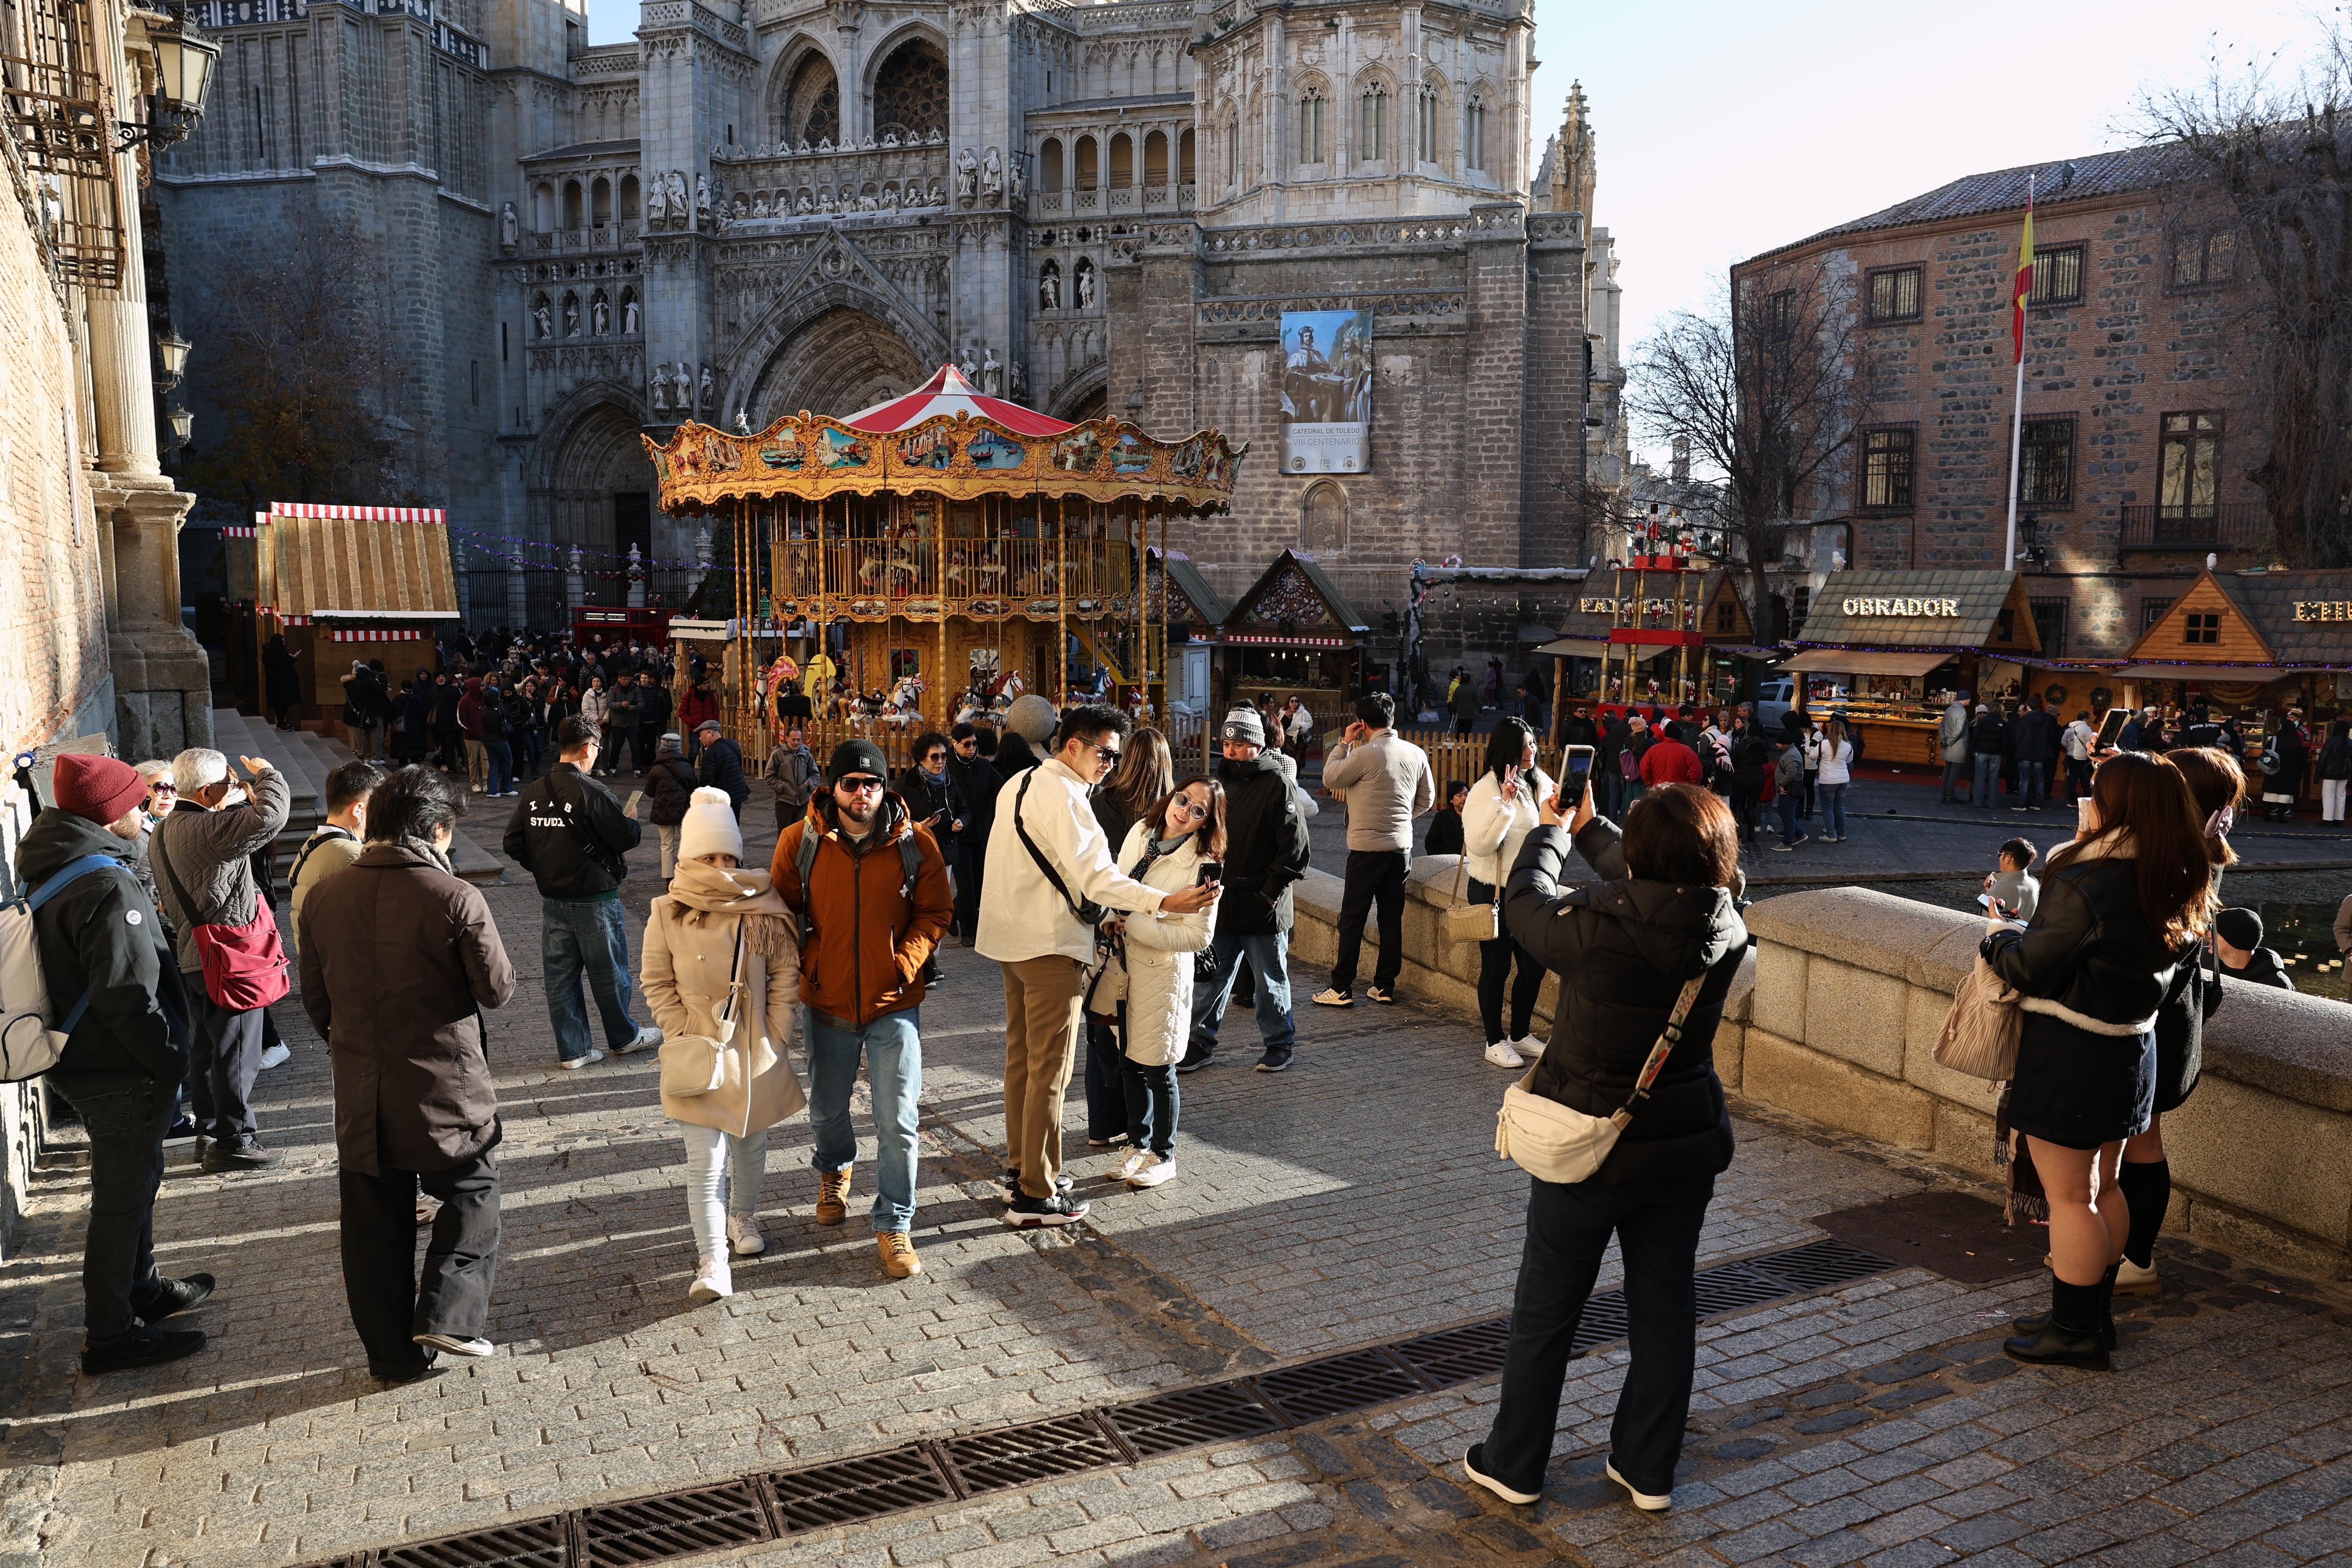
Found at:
<point>202,855</point>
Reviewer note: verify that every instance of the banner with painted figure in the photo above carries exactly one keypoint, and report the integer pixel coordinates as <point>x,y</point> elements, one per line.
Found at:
<point>1327,391</point>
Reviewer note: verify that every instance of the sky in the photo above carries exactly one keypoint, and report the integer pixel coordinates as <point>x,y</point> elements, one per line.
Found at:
<point>1727,127</point>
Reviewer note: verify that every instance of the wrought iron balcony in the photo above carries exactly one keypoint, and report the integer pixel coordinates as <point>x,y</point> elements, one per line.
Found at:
<point>2232,528</point>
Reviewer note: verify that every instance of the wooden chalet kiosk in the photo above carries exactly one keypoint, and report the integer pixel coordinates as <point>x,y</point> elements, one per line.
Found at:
<point>346,583</point>
<point>942,540</point>
<point>1293,633</point>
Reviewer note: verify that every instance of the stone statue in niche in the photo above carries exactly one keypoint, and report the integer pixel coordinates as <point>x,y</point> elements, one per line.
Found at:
<point>680,214</point>
<point>890,198</point>
<point>992,375</point>
<point>656,203</point>
<point>571,317</point>
<point>824,200</point>
<point>760,208</point>
<point>1086,281</point>
<point>1016,380</point>
<point>683,387</point>
<point>991,177</point>
<point>542,319</point>
<point>509,226</point>
<point>708,388</point>
<point>629,313</point>
<point>807,204</point>
<point>971,370</point>
<point>1049,288</point>
<point>659,382</point>
<point>1013,179</point>
<point>702,197</point>
<point>967,176</point>
<point>600,315</point>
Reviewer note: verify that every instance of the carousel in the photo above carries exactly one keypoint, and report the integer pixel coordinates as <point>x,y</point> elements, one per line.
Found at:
<point>933,557</point>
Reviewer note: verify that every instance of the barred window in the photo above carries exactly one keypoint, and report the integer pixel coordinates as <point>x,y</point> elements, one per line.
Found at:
<point>2203,258</point>
<point>2057,276</point>
<point>2046,463</point>
<point>2152,611</point>
<point>1894,294</point>
<point>1886,467</point>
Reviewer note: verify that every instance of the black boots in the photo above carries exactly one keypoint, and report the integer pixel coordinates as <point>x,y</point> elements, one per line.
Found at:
<point>2076,1332</point>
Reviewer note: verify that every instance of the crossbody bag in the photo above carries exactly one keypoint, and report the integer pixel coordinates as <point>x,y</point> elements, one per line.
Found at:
<point>1555,1143</point>
<point>695,1065</point>
<point>244,965</point>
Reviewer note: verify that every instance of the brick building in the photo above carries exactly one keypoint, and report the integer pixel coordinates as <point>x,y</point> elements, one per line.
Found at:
<point>753,209</point>
<point>2137,428</point>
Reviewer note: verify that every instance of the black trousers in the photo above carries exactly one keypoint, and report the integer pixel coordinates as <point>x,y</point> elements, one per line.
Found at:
<point>388,1306</point>
<point>1495,976</point>
<point>221,1068</point>
<point>1152,1102</point>
<point>125,1115</point>
<point>1107,1106</point>
<point>1568,1227</point>
<point>1373,876</point>
<point>967,899</point>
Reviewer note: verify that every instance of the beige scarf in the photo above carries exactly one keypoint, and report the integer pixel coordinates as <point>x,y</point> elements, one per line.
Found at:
<point>700,890</point>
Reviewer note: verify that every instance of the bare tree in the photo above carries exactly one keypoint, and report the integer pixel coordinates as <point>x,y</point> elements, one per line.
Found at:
<point>2279,158</point>
<point>1769,387</point>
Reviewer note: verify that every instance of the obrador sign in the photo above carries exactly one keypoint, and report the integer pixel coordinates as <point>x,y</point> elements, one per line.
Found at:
<point>1903,608</point>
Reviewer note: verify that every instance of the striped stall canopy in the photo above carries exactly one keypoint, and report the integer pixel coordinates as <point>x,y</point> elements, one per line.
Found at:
<point>360,563</point>
<point>376,636</point>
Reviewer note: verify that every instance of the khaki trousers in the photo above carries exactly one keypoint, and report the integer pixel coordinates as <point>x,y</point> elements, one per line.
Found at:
<point>1041,997</point>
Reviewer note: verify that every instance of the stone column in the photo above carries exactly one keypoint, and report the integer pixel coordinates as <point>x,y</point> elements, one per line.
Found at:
<point>163,682</point>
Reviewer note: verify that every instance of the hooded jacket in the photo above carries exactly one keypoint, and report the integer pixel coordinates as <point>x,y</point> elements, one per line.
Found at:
<point>101,935</point>
<point>721,767</point>
<point>561,810</point>
<point>2034,737</point>
<point>399,957</point>
<point>687,964</point>
<point>469,709</point>
<point>864,941</point>
<point>669,785</point>
<point>1267,845</point>
<point>1624,948</point>
<point>2089,957</point>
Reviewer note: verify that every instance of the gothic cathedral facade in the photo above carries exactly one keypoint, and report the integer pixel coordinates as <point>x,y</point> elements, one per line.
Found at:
<point>753,209</point>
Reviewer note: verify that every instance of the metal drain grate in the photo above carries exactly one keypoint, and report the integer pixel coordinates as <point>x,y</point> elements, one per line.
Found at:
<point>1735,1287</point>
<point>1458,1355</point>
<point>652,1529</point>
<point>1326,1387</point>
<point>1022,1456</point>
<point>1819,1264</point>
<point>847,1490</point>
<point>1180,1420</point>
<point>1603,1321</point>
<point>533,1543</point>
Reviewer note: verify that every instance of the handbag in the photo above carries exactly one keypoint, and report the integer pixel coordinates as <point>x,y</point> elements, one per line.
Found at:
<point>697,1064</point>
<point>1555,1143</point>
<point>1981,1031</point>
<point>244,965</point>
<point>1473,923</point>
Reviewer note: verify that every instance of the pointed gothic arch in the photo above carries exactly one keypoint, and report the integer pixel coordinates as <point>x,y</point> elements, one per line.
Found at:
<point>804,101</point>
<point>587,484</point>
<point>832,357</point>
<point>908,89</point>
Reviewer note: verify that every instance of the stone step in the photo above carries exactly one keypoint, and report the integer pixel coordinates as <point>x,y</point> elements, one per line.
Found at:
<point>237,735</point>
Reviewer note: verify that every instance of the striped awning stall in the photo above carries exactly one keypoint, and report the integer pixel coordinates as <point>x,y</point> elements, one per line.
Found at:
<point>357,563</point>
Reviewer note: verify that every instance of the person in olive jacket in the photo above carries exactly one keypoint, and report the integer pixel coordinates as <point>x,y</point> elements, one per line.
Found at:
<point>1664,914</point>
<point>399,958</point>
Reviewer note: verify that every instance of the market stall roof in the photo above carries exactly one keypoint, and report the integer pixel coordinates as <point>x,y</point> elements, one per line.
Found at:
<point>355,563</point>
<point>1953,612</point>
<point>1864,661</point>
<point>948,393</point>
<point>1504,576</point>
<point>2293,620</point>
<point>1294,601</point>
<point>1209,606</point>
<point>1596,648</point>
<point>2218,673</point>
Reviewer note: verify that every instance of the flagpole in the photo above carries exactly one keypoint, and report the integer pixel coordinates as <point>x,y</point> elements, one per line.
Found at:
<point>2017,411</point>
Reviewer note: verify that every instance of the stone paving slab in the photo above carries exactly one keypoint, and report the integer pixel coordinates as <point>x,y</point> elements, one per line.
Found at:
<point>1354,1198</point>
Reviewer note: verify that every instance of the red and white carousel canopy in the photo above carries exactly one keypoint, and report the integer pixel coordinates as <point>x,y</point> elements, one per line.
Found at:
<point>948,393</point>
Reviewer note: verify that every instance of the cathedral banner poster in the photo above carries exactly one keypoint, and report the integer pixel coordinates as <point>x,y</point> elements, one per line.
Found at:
<point>1327,391</point>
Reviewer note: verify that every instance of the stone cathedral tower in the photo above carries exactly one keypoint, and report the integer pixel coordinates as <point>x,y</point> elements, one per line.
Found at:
<point>753,208</point>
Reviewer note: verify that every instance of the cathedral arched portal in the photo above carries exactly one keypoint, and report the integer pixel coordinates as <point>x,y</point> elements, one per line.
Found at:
<point>595,489</point>
<point>837,362</point>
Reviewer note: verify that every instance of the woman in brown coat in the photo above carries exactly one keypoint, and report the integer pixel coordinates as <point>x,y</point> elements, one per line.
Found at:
<point>399,958</point>
<point>688,972</point>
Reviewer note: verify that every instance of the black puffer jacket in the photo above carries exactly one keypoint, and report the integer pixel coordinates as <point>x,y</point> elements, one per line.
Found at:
<point>100,934</point>
<point>1265,846</point>
<point>2194,996</point>
<point>1624,948</point>
<point>2034,737</point>
<point>2089,948</point>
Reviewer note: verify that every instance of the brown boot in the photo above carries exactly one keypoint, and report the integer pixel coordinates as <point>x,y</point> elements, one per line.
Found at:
<point>898,1253</point>
<point>832,1197</point>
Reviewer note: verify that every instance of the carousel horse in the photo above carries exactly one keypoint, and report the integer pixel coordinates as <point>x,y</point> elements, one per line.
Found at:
<point>904,706</point>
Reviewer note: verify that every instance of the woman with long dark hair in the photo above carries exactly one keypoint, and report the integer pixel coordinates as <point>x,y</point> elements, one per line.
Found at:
<point>1145,773</point>
<point>1504,807</point>
<point>1664,914</point>
<point>2122,907</point>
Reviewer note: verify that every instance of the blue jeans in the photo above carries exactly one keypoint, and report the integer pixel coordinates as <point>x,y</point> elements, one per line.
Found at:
<point>1213,987</point>
<point>1988,780</point>
<point>2032,782</point>
<point>578,939</point>
<point>501,765</point>
<point>892,1045</point>
<point>1568,1227</point>
<point>1834,810</point>
<point>1788,801</point>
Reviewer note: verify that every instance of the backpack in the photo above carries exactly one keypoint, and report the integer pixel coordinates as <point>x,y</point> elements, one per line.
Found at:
<point>31,1037</point>
<point>910,864</point>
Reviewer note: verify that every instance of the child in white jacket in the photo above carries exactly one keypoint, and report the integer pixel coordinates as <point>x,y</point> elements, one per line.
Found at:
<point>1147,982</point>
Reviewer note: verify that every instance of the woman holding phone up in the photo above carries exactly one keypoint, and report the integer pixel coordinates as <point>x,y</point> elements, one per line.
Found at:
<point>1504,807</point>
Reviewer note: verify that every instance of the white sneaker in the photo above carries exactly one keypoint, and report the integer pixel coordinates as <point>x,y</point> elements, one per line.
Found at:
<point>1332,997</point>
<point>1528,1047</point>
<point>2131,1280</point>
<point>646,1039</point>
<point>576,1063</point>
<point>277,1056</point>
<point>1152,1174</point>
<point>1648,1502</point>
<point>1133,1164</point>
<point>743,1235</point>
<point>711,1280</point>
<point>1500,1055</point>
<point>454,1345</point>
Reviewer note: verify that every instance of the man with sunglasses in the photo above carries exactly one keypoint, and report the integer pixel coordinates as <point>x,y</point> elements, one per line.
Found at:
<point>977,777</point>
<point>871,895</point>
<point>1051,878</point>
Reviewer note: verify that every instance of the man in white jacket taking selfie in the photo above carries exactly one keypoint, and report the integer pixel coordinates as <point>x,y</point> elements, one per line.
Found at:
<point>1048,859</point>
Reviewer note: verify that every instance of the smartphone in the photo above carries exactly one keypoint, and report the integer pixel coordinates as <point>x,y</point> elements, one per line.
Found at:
<point>1577,763</point>
<point>2112,727</point>
<point>1212,873</point>
<point>629,808</point>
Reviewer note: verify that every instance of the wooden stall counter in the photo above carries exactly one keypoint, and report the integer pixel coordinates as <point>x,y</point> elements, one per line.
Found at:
<point>1889,740</point>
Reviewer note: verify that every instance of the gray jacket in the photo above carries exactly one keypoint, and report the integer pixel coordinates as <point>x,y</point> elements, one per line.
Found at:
<point>1387,782</point>
<point>1953,733</point>
<point>207,855</point>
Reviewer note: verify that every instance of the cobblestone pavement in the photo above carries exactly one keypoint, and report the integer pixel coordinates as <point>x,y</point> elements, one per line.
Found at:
<point>1352,1199</point>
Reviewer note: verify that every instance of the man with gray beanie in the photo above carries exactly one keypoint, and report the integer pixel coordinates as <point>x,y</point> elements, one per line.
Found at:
<point>1265,851</point>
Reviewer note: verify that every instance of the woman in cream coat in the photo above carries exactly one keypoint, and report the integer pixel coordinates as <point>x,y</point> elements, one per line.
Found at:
<point>1504,807</point>
<point>690,951</point>
<point>1148,977</point>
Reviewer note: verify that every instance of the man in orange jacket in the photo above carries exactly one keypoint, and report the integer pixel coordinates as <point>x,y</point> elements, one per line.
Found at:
<point>874,905</point>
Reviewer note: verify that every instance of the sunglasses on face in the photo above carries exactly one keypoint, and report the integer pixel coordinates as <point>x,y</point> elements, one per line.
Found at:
<point>1106,755</point>
<point>857,785</point>
<point>935,756</point>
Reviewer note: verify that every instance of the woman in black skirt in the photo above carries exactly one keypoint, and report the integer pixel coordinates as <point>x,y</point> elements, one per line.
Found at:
<point>2122,907</point>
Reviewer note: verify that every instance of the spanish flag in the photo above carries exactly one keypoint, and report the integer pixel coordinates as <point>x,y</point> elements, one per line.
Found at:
<point>2024,290</point>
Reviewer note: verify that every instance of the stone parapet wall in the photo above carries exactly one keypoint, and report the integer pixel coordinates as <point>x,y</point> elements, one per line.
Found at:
<point>1835,1018</point>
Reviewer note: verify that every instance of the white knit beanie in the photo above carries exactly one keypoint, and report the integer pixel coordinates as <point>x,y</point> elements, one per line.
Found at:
<point>709,826</point>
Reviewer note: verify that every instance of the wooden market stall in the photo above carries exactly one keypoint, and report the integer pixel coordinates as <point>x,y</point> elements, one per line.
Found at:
<point>942,544</point>
<point>1887,649</point>
<point>1293,633</point>
<point>345,582</point>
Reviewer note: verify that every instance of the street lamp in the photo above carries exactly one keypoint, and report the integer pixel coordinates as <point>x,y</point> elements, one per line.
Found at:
<point>185,59</point>
<point>171,349</point>
<point>2029,548</point>
<point>184,426</point>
